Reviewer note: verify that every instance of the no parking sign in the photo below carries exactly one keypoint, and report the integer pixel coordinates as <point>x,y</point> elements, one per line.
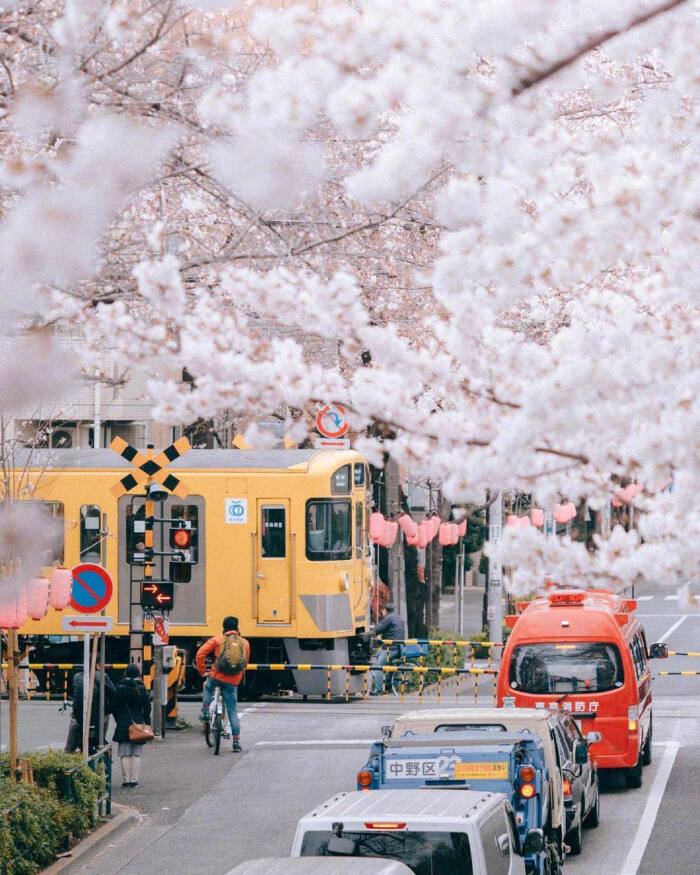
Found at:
<point>92,588</point>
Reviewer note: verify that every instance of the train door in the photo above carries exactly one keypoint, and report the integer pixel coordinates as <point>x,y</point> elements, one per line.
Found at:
<point>273,579</point>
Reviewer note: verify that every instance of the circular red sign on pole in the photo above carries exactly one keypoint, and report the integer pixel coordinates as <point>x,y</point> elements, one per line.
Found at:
<point>92,588</point>
<point>330,421</point>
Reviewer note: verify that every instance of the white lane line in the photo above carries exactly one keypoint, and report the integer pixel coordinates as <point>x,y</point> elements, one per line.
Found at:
<point>670,598</point>
<point>646,824</point>
<point>667,634</point>
<point>317,742</point>
<point>644,598</point>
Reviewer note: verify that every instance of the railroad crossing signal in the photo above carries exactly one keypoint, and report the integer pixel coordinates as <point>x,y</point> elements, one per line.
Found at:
<point>157,594</point>
<point>148,469</point>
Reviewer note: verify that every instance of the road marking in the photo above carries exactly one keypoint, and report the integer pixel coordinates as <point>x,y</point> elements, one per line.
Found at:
<point>646,824</point>
<point>667,634</point>
<point>318,742</point>
<point>670,598</point>
<point>644,598</point>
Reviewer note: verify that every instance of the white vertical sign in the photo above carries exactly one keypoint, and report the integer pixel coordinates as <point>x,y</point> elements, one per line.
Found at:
<point>495,607</point>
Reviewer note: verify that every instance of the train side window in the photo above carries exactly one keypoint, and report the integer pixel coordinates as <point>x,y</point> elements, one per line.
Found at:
<point>55,551</point>
<point>359,529</point>
<point>359,474</point>
<point>328,529</point>
<point>340,481</point>
<point>90,534</point>
<point>273,532</point>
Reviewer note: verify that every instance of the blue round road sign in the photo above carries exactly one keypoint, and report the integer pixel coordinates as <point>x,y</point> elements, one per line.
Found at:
<point>92,588</point>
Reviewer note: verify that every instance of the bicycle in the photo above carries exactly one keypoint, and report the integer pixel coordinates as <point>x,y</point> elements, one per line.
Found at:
<point>407,677</point>
<point>217,723</point>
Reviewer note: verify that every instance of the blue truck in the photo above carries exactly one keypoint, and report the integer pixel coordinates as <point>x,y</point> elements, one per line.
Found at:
<point>510,763</point>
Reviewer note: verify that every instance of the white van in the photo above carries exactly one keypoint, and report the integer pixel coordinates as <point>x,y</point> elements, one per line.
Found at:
<point>321,866</point>
<point>433,832</point>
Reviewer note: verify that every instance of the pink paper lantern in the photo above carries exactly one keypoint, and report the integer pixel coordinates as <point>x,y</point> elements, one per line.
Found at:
<point>408,525</point>
<point>13,610</point>
<point>616,502</point>
<point>391,529</point>
<point>524,522</point>
<point>462,528</point>
<point>570,510</point>
<point>445,534</point>
<point>412,539</point>
<point>454,533</point>
<point>559,514</point>
<point>512,520</point>
<point>537,516</point>
<point>38,598</point>
<point>376,526</point>
<point>60,586</point>
<point>628,493</point>
<point>425,533</point>
<point>436,523</point>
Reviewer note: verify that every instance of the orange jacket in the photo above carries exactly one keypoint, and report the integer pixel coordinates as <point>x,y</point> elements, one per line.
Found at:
<point>213,645</point>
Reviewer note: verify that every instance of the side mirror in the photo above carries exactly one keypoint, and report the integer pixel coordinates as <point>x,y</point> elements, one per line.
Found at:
<point>593,737</point>
<point>534,842</point>
<point>658,651</point>
<point>580,752</point>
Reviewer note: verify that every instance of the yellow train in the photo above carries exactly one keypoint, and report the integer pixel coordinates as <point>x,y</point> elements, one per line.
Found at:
<point>278,538</point>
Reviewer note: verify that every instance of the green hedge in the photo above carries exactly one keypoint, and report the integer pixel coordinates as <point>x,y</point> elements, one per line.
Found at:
<point>37,821</point>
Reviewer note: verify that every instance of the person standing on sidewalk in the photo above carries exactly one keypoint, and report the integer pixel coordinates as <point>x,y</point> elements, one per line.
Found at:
<point>226,672</point>
<point>132,704</point>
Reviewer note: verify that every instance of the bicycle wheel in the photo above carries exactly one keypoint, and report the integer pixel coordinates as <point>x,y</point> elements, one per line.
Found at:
<point>208,736</point>
<point>218,731</point>
<point>404,681</point>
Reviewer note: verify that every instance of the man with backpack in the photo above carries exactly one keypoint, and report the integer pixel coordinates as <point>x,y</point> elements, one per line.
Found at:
<point>231,654</point>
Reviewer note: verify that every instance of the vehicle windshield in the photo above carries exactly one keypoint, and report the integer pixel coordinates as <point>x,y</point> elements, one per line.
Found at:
<point>425,853</point>
<point>583,667</point>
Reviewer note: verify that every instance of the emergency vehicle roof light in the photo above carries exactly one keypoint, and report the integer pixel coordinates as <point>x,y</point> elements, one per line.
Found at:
<point>566,599</point>
<point>510,620</point>
<point>629,605</point>
<point>622,619</point>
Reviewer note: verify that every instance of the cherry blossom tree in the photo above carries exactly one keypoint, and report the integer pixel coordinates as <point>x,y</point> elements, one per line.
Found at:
<point>489,214</point>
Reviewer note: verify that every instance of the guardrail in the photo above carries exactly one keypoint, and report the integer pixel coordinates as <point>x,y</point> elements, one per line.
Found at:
<point>57,675</point>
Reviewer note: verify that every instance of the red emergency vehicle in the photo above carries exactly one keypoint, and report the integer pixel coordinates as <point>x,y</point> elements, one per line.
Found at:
<point>585,652</point>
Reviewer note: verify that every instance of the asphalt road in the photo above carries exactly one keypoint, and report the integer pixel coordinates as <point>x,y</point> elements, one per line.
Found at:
<point>205,814</point>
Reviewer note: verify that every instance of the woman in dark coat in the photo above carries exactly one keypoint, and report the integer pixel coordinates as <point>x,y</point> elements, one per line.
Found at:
<point>132,704</point>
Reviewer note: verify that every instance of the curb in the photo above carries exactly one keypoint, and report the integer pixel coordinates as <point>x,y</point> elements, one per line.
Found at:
<point>120,822</point>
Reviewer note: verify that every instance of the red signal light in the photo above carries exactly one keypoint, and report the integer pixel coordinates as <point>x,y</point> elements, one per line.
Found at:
<point>364,778</point>
<point>527,791</point>
<point>385,825</point>
<point>527,773</point>
<point>566,786</point>
<point>181,538</point>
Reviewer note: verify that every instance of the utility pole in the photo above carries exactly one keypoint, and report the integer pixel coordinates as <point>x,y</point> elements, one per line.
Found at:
<point>495,606</point>
<point>397,576</point>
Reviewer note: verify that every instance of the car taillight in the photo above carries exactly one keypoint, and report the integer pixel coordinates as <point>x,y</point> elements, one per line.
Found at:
<point>567,787</point>
<point>527,773</point>
<point>384,825</point>
<point>365,778</point>
<point>527,791</point>
<point>632,717</point>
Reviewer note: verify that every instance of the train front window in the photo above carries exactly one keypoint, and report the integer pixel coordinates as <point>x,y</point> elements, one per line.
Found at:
<point>581,667</point>
<point>340,481</point>
<point>328,530</point>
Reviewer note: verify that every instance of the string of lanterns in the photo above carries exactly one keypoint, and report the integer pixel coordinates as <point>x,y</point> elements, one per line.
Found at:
<point>383,531</point>
<point>562,513</point>
<point>35,598</point>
